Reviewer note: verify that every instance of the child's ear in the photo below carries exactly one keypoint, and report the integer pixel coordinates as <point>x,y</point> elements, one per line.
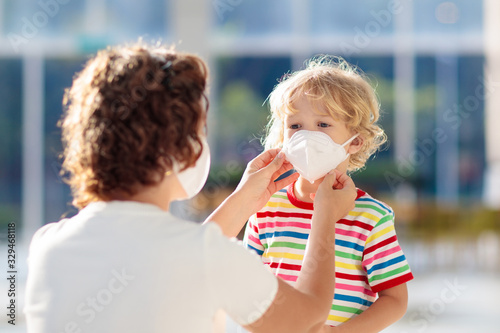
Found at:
<point>355,145</point>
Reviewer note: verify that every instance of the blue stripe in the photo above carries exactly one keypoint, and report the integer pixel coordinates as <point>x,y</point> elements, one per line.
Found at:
<point>299,235</point>
<point>386,264</point>
<point>259,252</point>
<point>376,202</point>
<point>352,299</point>
<point>283,234</point>
<point>286,174</point>
<point>351,245</point>
<point>280,192</point>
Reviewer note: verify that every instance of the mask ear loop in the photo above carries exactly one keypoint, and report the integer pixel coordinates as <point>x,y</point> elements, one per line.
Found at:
<point>347,142</point>
<point>350,140</point>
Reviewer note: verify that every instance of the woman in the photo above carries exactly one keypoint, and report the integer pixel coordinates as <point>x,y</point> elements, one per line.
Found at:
<point>134,135</point>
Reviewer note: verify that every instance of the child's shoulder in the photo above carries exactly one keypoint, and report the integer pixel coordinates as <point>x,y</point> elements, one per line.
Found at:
<point>365,202</point>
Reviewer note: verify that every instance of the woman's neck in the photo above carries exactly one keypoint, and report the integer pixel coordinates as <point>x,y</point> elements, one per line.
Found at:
<point>160,194</point>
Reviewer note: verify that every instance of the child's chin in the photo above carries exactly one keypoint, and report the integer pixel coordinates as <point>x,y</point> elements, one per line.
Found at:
<point>316,182</point>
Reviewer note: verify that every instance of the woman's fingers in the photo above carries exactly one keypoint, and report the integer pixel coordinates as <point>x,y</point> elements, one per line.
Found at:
<point>264,158</point>
<point>285,167</point>
<point>344,180</point>
<point>275,165</point>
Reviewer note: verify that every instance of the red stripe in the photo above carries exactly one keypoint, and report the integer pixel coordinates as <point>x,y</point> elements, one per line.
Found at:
<point>379,245</point>
<point>283,214</point>
<point>393,282</point>
<point>254,227</point>
<point>351,277</point>
<point>338,275</point>
<point>360,193</point>
<point>296,202</point>
<point>356,223</point>
<point>285,266</point>
<point>290,224</point>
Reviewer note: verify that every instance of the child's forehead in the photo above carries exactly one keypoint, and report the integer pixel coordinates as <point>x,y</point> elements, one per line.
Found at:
<point>304,103</point>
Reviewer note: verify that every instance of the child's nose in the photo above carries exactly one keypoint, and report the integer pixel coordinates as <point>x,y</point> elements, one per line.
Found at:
<point>310,127</point>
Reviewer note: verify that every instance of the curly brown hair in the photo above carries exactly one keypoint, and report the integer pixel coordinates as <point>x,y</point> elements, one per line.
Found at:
<point>130,114</point>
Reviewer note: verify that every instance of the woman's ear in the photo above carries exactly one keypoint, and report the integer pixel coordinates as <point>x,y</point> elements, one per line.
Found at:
<point>355,145</point>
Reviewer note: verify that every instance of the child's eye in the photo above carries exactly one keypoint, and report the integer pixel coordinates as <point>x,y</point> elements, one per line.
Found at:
<point>323,125</point>
<point>294,126</point>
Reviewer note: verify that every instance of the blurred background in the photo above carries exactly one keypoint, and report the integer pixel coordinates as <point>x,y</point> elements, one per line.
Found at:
<point>435,65</point>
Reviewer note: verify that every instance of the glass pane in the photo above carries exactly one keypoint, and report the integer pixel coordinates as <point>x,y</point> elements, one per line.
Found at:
<point>458,16</point>
<point>124,19</point>
<point>372,17</point>
<point>30,19</point>
<point>425,109</point>
<point>58,76</point>
<point>243,85</point>
<point>131,19</point>
<point>471,93</point>
<point>253,17</point>
<point>11,139</point>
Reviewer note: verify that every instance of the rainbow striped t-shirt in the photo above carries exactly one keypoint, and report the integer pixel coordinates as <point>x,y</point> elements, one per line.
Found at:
<point>368,257</point>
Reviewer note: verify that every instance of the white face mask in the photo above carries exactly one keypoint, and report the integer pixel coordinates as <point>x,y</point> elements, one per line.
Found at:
<point>194,178</point>
<point>313,154</point>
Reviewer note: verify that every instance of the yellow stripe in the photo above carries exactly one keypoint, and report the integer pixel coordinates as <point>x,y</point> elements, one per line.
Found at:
<point>347,266</point>
<point>365,214</point>
<point>283,255</point>
<point>301,257</point>
<point>380,233</point>
<point>338,318</point>
<point>279,204</point>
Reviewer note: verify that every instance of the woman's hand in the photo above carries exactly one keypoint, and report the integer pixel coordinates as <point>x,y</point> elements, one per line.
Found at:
<point>336,195</point>
<point>253,192</point>
<point>258,182</point>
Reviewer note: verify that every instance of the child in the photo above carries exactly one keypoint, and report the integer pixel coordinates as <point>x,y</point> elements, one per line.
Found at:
<point>325,118</point>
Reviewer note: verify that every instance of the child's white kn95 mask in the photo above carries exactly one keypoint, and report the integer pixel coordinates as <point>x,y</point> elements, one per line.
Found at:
<point>313,154</point>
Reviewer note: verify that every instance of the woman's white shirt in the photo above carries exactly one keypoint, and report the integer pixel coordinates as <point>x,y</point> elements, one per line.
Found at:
<point>125,266</point>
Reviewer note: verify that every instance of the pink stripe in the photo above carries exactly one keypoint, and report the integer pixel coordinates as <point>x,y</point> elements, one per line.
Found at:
<point>284,224</point>
<point>385,253</point>
<point>353,234</point>
<point>355,288</point>
<point>254,239</point>
<point>288,277</point>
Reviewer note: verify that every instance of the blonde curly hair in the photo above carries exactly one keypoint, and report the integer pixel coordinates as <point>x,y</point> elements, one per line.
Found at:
<point>343,90</point>
<point>130,114</point>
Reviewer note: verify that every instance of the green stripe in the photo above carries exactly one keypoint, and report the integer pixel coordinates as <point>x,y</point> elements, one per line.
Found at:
<point>383,212</point>
<point>280,196</point>
<point>390,273</point>
<point>383,220</point>
<point>346,309</point>
<point>347,255</point>
<point>288,244</point>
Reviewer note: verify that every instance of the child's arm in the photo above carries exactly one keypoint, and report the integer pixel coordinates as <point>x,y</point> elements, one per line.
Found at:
<point>253,192</point>
<point>386,310</point>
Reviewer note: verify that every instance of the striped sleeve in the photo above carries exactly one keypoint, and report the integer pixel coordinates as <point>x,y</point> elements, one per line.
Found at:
<point>251,239</point>
<point>383,259</point>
